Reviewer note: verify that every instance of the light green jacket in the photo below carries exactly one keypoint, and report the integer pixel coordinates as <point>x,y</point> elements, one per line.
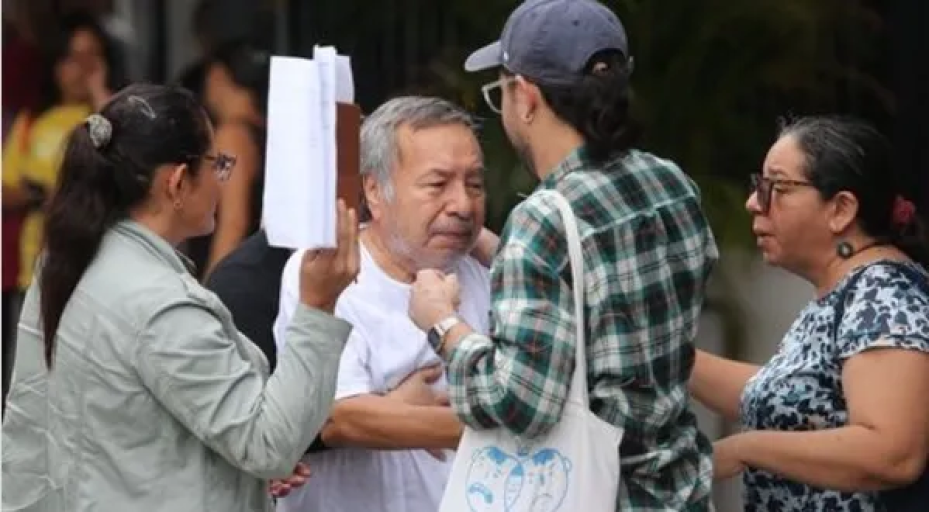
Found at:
<point>155,401</point>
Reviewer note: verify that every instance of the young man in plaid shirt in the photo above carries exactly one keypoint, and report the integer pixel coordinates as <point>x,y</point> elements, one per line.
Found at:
<point>563,93</point>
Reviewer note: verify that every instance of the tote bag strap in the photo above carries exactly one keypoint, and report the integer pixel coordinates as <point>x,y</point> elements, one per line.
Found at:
<point>577,393</point>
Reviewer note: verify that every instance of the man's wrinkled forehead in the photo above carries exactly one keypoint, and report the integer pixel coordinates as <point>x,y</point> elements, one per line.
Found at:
<point>437,142</point>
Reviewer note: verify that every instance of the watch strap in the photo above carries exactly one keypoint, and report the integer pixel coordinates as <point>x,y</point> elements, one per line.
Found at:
<point>438,331</point>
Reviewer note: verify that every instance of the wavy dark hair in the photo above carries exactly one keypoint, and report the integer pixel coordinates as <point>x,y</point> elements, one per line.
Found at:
<point>152,125</point>
<point>249,66</point>
<point>598,105</point>
<point>59,47</point>
<point>847,154</point>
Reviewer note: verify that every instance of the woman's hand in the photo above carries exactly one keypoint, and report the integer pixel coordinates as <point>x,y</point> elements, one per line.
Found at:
<point>283,487</point>
<point>325,273</point>
<point>96,76</point>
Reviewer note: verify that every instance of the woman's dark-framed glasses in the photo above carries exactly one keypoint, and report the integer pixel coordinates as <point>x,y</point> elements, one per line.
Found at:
<point>764,188</point>
<point>222,164</point>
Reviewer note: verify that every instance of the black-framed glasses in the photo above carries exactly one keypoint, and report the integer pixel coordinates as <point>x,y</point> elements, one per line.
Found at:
<point>221,163</point>
<point>763,187</point>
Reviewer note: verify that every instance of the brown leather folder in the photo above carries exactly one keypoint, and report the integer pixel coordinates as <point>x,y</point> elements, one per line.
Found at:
<point>348,153</point>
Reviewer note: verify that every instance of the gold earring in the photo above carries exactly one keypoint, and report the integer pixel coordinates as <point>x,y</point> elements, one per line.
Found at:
<point>178,205</point>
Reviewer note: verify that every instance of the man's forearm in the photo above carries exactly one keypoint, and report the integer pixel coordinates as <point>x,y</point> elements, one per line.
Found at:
<point>381,423</point>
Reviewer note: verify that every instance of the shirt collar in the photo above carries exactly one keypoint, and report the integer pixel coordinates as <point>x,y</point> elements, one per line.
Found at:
<point>155,245</point>
<point>576,159</point>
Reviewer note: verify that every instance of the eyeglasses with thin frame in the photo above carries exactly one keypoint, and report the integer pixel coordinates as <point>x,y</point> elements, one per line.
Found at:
<point>763,187</point>
<point>221,163</point>
<point>495,89</point>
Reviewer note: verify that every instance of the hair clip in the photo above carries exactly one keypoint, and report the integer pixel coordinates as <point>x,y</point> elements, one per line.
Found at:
<point>100,130</point>
<point>143,105</point>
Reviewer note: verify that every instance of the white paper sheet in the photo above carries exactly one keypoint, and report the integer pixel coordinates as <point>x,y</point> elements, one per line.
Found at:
<point>301,162</point>
<point>298,207</point>
<point>325,60</point>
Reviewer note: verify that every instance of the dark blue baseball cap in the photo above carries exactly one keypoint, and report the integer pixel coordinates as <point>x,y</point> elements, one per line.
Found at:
<point>551,41</point>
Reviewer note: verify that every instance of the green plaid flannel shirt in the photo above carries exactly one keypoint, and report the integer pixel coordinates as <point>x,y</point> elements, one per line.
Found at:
<point>648,252</point>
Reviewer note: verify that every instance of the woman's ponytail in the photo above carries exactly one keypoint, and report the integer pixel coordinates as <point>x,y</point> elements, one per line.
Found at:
<point>84,206</point>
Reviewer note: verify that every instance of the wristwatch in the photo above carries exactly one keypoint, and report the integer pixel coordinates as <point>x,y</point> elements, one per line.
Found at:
<point>436,335</point>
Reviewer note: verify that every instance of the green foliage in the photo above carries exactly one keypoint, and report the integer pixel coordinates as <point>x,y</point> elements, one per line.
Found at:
<point>711,77</point>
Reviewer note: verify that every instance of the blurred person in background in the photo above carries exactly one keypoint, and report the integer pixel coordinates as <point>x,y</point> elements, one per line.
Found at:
<point>248,281</point>
<point>838,418</point>
<point>205,33</point>
<point>22,77</point>
<point>75,82</point>
<point>236,93</point>
<point>133,388</point>
<point>22,56</point>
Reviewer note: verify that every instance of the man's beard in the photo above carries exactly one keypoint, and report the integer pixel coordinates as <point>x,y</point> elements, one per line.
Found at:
<point>418,258</point>
<point>523,152</point>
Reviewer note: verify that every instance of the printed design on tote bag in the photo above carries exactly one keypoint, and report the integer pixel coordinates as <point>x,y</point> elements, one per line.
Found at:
<point>500,482</point>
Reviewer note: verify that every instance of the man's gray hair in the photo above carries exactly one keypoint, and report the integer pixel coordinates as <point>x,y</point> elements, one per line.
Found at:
<point>379,148</point>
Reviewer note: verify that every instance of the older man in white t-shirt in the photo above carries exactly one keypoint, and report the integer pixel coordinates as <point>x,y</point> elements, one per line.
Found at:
<point>423,181</point>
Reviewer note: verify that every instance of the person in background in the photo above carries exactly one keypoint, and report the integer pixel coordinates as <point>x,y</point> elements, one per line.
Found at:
<point>236,93</point>
<point>22,74</point>
<point>22,56</point>
<point>248,281</point>
<point>563,91</point>
<point>75,82</point>
<point>838,418</point>
<point>133,389</point>
<point>205,33</point>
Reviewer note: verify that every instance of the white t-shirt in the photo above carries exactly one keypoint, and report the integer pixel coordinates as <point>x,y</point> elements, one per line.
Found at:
<point>385,347</point>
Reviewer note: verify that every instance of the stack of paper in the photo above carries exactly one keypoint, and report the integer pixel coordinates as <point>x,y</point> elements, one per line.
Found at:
<point>300,163</point>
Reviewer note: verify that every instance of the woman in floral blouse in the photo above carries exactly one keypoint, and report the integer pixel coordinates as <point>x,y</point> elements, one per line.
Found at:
<point>838,419</point>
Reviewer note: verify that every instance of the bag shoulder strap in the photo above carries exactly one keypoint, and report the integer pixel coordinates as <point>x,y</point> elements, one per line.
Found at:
<point>578,391</point>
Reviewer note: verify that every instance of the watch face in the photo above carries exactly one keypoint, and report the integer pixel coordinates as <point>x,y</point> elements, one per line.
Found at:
<point>433,337</point>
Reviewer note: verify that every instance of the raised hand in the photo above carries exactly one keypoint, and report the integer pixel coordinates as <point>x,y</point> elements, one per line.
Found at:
<point>325,273</point>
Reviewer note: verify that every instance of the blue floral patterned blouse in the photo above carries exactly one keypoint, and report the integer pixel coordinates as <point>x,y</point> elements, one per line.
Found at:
<point>800,388</point>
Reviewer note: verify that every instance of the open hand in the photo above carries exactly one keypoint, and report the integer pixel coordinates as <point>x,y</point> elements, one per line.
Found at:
<point>416,389</point>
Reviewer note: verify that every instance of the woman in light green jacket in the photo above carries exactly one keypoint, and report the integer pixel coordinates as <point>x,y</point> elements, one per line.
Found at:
<point>132,388</point>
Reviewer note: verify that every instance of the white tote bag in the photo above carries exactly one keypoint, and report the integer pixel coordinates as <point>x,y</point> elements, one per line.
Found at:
<point>572,468</point>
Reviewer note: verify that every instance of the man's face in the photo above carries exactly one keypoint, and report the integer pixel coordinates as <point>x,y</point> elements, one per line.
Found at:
<point>437,207</point>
